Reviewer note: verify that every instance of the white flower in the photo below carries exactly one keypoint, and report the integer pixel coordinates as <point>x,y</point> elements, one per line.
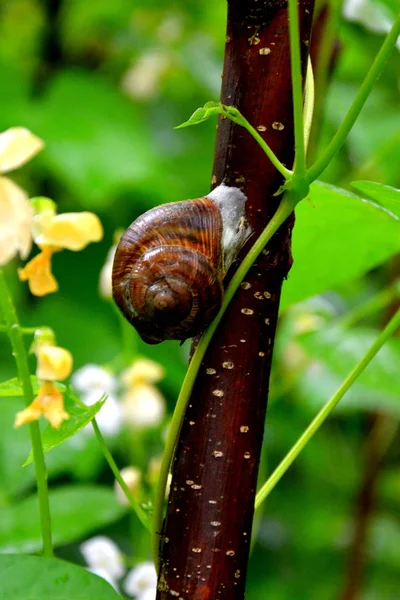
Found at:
<point>102,554</point>
<point>371,15</point>
<point>143,406</point>
<point>141,580</point>
<point>104,574</point>
<point>105,281</point>
<point>92,378</point>
<point>109,417</point>
<point>149,594</point>
<point>132,477</point>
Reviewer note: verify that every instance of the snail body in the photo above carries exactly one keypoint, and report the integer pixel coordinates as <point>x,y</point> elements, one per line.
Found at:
<point>170,264</point>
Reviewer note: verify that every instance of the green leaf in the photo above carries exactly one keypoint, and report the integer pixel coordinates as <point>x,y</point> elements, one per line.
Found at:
<point>79,417</point>
<point>35,578</point>
<point>202,114</point>
<point>96,153</point>
<point>14,447</point>
<point>335,350</point>
<point>386,195</point>
<point>337,237</point>
<point>209,110</point>
<point>76,511</point>
<point>12,387</point>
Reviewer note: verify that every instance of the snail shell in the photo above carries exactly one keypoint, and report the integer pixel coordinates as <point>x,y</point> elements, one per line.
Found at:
<point>170,264</point>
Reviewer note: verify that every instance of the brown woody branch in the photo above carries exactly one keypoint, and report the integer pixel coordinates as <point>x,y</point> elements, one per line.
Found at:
<point>206,540</point>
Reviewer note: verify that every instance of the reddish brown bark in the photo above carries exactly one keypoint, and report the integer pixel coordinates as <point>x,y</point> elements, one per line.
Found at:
<point>207,532</point>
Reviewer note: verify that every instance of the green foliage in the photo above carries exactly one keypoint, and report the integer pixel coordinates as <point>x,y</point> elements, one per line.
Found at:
<point>93,153</point>
<point>336,349</point>
<point>210,109</point>
<point>385,195</point>
<point>77,510</point>
<point>79,417</point>
<point>13,386</point>
<point>331,226</point>
<point>31,577</point>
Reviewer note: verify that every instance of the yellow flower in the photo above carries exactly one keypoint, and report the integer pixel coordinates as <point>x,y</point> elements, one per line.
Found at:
<point>17,146</point>
<point>72,231</point>
<point>54,363</point>
<point>49,402</point>
<point>142,370</point>
<point>53,233</point>
<point>38,273</point>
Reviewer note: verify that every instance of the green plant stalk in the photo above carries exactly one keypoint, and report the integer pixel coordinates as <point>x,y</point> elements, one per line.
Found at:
<point>322,68</point>
<point>287,173</point>
<point>297,89</point>
<point>303,440</point>
<point>21,359</point>
<point>232,113</point>
<point>283,211</point>
<point>344,129</point>
<point>113,466</point>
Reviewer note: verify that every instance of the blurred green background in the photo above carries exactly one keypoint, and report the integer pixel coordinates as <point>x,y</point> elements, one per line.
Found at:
<point>104,83</point>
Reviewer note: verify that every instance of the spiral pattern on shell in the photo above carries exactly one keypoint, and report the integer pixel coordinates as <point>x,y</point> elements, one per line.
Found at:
<point>168,270</point>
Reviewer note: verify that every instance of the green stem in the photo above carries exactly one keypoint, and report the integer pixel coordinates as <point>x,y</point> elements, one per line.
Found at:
<point>21,359</point>
<point>113,466</point>
<point>29,330</point>
<point>389,330</point>
<point>376,69</point>
<point>287,173</point>
<point>322,68</point>
<point>297,89</point>
<point>283,211</point>
<point>22,330</point>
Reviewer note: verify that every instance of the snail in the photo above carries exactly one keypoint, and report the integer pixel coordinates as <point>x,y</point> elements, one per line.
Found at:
<point>170,264</point>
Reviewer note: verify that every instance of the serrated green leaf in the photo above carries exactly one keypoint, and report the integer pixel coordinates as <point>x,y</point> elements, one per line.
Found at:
<point>35,578</point>
<point>12,387</point>
<point>79,417</point>
<point>75,512</point>
<point>387,196</point>
<point>337,236</point>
